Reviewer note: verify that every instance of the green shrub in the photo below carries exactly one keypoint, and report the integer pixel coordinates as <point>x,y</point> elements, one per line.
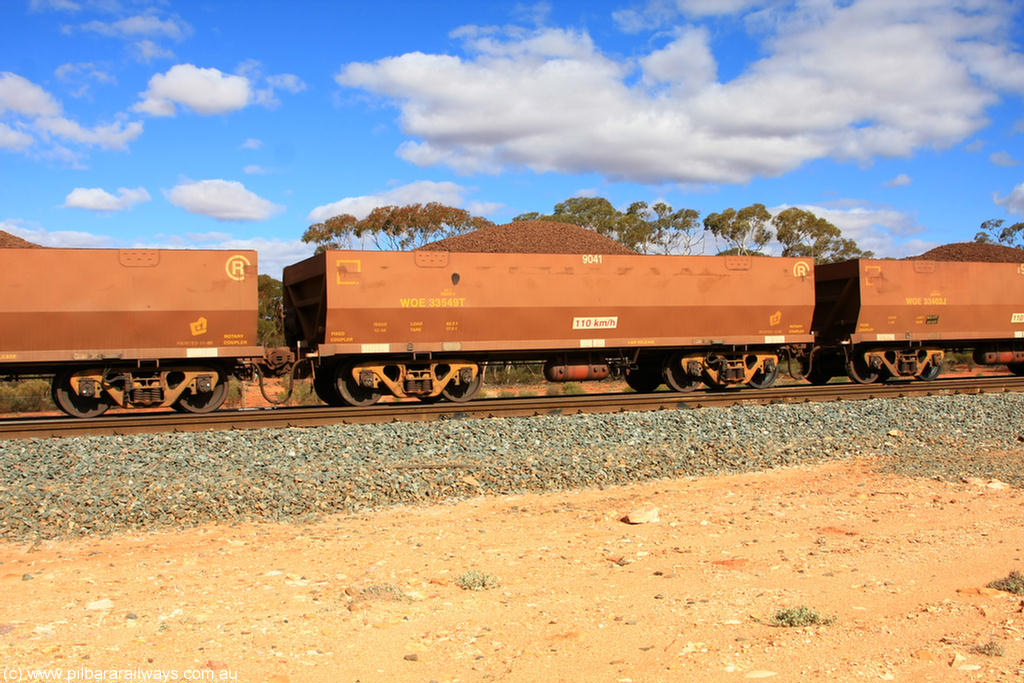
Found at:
<point>474,580</point>
<point>25,396</point>
<point>799,616</point>
<point>1014,583</point>
<point>572,389</point>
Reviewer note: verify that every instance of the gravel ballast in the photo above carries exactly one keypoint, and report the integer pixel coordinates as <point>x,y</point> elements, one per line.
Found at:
<point>98,485</point>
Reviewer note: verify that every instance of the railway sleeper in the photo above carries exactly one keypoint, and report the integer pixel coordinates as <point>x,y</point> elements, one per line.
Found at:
<point>454,380</point>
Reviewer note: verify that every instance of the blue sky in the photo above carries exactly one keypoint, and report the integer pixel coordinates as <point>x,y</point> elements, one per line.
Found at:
<point>238,124</point>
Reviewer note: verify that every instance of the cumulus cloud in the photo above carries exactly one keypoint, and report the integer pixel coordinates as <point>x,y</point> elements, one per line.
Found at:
<point>902,180</point>
<point>98,199</point>
<point>35,109</point>
<point>22,96</point>
<point>888,232</point>
<point>146,51</point>
<point>420,192</point>
<point>256,169</point>
<point>204,91</point>
<point>252,143</point>
<point>140,25</point>
<point>1003,159</point>
<point>13,139</point>
<point>55,238</point>
<point>224,200</point>
<point>1013,202</point>
<point>848,81</point>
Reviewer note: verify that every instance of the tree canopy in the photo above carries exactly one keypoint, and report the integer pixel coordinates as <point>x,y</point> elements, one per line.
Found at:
<point>802,233</point>
<point>394,227</point>
<point>270,325</point>
<point>992,231</point>
<point>643,228</point>
<point>745,231</point>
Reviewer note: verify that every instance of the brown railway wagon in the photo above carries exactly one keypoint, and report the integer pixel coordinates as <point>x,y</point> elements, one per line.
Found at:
<point>880,318</point>
<point>131,327</point>
<point>370,316</point>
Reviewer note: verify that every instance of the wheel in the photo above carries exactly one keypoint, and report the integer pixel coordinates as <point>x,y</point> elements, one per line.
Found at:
<point>70,402</point>
<point>1016,368</point>
<point>930,372</point>
<point>675,375</point>
<point>643,380</point>
<point>460,393</point>
<point>860,373</point>
<point>763,380</point>
<point>203,402</point>
<point>325,386</point>
<point>350,391</point>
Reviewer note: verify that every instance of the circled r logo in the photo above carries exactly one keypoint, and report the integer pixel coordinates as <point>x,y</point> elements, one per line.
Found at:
<point>801,269</point>
<point>236,267</point>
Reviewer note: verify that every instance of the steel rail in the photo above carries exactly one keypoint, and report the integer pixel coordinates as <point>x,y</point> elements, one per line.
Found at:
<point>282,417</point>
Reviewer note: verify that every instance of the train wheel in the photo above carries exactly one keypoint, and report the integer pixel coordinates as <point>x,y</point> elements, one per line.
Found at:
<point>763,380</point>
<point>460,393</point>
<point>325,386</point>
<point>73,404</point>
<point>930,372</point>
<point>1016,368</point>
<point>350,391</point>
<point>818,377</point>
<point>203,402</point>
<point>643,380</point>
<point>676,377</point>
<point>860,373</point>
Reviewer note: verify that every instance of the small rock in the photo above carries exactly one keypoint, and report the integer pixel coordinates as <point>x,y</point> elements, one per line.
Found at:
<point>760,673</point>
<point>215,665</point>
<point>105,603</point>
<point>27,577</point>
<point>412,657</point>
<point>642,514</point>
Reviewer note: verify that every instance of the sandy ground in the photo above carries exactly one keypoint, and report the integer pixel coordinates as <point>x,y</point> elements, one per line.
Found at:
<point>899,564</point>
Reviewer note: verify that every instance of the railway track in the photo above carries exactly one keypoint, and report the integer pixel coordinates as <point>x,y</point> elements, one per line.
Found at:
<point>131,423</point>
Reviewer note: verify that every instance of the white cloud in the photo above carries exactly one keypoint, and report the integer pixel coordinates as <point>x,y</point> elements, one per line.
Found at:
<point>140,25</point>
<point>63,5</point>
<point>224,200</point>
<point>98,199</point>
<point>81,76</point>
<point>204,91</point>
<point>146,51</point>
<point>13,139</point>
<point>256,169</point>
<point>289,82</point>
<point>902,180</point>
<point>886,231</point>
<point>56,238</point>
<point>1013,202</point>
<point>22,96</point>
<point>420,192</point>
<point>1003,158</point>
<point>848,81</point>
<point>110,136</point>
<point>252,143</point>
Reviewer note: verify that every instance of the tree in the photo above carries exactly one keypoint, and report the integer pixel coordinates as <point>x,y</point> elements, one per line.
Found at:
<point>992,231</point>
<point>394,227</point>
<point>745,230</point>
<point>642,228</point>
<point>803,234</point>
<point>270,324</point>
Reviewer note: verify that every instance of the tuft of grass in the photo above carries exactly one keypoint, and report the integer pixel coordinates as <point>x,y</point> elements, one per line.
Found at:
<point>990,649</point>
<point>572,389</point>
<point>382,591</point>
<point>1014,583</point>
<point>799,616</point>
<point>474,580</point>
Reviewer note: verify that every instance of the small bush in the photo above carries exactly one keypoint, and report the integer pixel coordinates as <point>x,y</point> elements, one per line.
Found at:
<point>572,389</point>
<point>553,390</point>
<point>990,649</point>
<point>799,616</point>
<point>474,580</point>
<point>26,396</point>
<point>1014,583</point>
